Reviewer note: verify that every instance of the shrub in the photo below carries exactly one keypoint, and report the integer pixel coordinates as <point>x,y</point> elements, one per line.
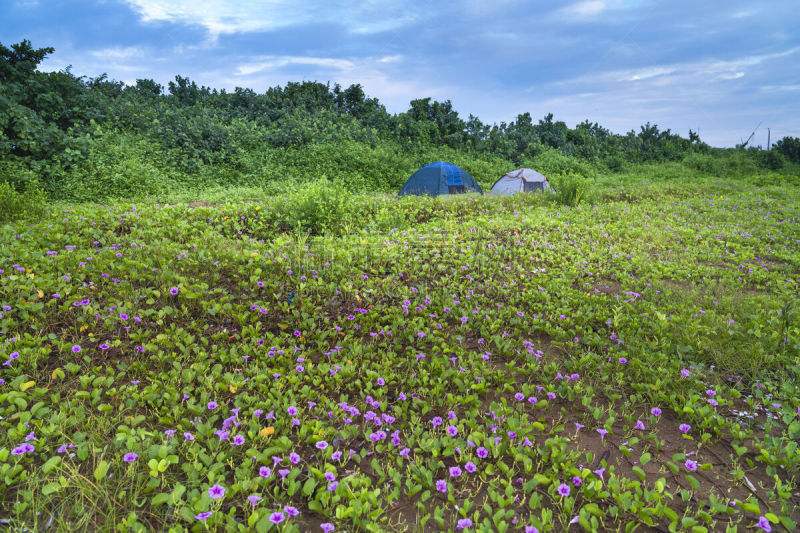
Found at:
<point>770,159</point>
<point>570,189</point>
<point>705,163</point>
<point>553,162</point>
<point>16,205</point>
<point>319,208</point>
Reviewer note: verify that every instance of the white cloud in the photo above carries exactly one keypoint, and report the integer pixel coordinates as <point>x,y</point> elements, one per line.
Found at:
<point>731,76</point>
<point>118,52</point>
<point>691,72</point>
<point>275,62</point>
<point>589,8</point>
<point>242,16</point>
<point>743,14</point>
<point>648,73</point>
<point>779,88</point>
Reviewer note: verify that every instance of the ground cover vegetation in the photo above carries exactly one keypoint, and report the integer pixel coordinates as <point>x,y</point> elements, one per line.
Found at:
<point>332,360</point>
<point>475,364</point>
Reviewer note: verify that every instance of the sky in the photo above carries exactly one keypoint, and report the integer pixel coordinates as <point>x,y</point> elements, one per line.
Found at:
<point>720,68</point>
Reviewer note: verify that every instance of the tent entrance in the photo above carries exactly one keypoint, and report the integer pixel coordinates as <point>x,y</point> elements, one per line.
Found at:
<point>453,177</point>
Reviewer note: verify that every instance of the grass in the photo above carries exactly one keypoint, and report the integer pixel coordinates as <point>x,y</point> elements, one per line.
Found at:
<point>485,364</point>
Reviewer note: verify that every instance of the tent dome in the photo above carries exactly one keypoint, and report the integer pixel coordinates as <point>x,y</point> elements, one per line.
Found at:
<point>520,180</point>
<point>440,178</point>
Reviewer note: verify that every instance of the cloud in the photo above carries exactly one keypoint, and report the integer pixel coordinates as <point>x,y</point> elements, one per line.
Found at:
<point>690,71</point>
<point>226,17</point>
<point>118,52</point>
<point>590,8</point>
<point>273,62</point>
<point>731,76</point>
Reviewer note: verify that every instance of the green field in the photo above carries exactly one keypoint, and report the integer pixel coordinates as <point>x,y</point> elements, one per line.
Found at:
<point>385,364</point>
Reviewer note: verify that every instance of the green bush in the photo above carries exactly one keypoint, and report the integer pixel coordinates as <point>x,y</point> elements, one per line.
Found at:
<point>14,172</point>
<point>121,165</point>
<point>570,189</point>
<point>553,162</point>
<point>17,205</point>
<point>705,163</point>
<point>320,208</point>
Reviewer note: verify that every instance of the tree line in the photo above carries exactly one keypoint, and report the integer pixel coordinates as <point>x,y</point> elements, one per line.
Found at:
<point>61,131</point>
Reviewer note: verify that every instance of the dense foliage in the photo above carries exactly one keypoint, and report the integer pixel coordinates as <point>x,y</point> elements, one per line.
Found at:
<point>84,138</point>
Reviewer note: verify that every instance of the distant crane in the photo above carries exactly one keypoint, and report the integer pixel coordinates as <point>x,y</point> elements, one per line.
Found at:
<point>743,145</point>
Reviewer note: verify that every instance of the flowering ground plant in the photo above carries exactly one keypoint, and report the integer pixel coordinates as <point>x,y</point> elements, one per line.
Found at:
<point>471,365</point>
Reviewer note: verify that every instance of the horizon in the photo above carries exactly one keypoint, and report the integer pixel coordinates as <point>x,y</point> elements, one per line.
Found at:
<point>722,70</point>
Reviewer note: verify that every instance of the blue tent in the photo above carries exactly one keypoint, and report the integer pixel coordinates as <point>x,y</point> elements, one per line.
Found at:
<point>440,178</point>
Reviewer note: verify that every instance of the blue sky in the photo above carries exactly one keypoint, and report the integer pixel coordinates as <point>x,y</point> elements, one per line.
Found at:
<point>717,67</point>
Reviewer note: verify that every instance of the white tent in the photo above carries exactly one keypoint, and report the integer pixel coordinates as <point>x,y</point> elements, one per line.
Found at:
<point>520,180</point>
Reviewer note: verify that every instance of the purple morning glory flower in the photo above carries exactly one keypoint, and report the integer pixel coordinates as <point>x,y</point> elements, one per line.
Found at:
<point>291,511</point>
<point>464,523</point>
<point>216,492</point>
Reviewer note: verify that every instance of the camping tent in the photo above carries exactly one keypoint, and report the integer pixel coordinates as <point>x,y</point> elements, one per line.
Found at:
<point>440,178</point>
<point>520,180</point>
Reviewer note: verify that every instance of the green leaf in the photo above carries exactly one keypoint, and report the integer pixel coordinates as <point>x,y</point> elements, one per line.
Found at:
<point>51,464</point>
<point>308,487</point>
<point>50,488</point>
<point>101,470</point>
<point>751,507</point>
<point>160,499</point>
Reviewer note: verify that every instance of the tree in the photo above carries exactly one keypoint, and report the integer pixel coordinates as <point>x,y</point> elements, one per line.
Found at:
<point>20,61</point>
<point>790,148</point>
<point>149,87</point>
